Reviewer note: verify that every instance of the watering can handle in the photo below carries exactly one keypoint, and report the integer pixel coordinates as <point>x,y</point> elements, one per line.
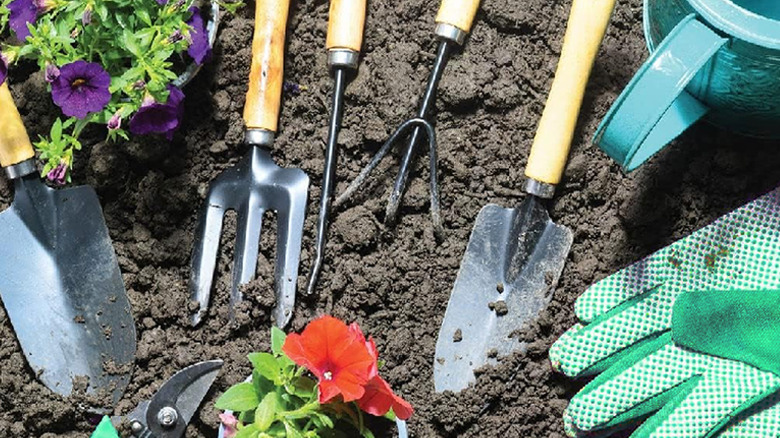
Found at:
<point>263,98</point>
<point>458,13</point>
<point>15,145</point>
<point>588,21</point>
<point>654,108</point>
<point>345,25</point>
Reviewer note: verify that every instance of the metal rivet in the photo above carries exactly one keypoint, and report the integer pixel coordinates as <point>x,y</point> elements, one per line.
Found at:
<point>167,416</point>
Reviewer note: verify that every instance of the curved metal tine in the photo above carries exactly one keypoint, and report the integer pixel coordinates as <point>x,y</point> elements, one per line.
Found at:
<point>289,237</point>
<point>396,196</point>
<point>204,256</point>
<point>363,176</point>
<point>438,227</point>
<point>248,226</point>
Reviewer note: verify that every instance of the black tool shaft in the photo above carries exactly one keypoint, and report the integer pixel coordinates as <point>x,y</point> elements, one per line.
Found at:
<point>443,55</point>
<point>328,176</point>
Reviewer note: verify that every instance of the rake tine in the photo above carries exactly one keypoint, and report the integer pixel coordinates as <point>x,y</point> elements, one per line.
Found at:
<point>289,236</point>
<point>421,125</point>
<point>204,257</point>
<point>250,221</point>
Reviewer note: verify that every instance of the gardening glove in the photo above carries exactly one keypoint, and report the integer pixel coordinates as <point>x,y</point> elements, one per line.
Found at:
<point>629,327</point>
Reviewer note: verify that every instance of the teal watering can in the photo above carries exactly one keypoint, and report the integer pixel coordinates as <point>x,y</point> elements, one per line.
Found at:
<point>712,59</point>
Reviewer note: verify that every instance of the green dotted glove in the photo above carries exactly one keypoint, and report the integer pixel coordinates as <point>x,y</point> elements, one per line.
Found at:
<point>668,335</point>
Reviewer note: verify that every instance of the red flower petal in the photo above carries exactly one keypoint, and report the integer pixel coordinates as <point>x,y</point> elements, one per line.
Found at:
<point>379,398</point>
<point>370,345</point>
<point>333,353</point>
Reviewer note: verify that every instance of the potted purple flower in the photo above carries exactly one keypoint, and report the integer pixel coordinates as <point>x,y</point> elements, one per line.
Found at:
<point>119,63</point>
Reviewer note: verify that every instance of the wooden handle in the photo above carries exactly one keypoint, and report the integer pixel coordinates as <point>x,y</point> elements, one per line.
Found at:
<point>15,145</point>
<point>345,26</point>
<point>458,13</point>
<point>263,98</point>
<point>588,22</point>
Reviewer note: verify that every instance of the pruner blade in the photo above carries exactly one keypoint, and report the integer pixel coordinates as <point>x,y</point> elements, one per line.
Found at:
<point>169,412</point>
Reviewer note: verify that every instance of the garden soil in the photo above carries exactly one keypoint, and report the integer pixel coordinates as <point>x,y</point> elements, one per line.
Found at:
<point>394,282</point>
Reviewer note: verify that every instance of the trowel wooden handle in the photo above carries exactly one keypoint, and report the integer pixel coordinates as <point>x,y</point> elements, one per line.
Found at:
<point>15,145</point>
<point>588,22</point>
<point>345,25</point>
<point>266,74</point>
<point>458,13</point>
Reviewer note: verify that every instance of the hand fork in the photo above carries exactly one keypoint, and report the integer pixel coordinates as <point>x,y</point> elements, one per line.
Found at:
<point>256,184</point>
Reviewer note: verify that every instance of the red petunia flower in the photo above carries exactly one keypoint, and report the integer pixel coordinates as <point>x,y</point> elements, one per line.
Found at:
<point>335,354</point>
<point>379,398</point>
<point>370,346</point>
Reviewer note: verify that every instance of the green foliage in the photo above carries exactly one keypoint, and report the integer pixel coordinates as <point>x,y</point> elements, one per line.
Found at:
<point>281,401</point>
<point>135,41</point>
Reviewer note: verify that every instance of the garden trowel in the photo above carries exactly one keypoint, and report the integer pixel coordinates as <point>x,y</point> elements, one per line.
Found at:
<point>515,255</point>
<point>256,184</point>
<point>59,279</point>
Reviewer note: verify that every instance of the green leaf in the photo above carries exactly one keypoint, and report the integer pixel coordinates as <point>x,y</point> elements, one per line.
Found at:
<point>267,365</point>
<point>277,340</point>
<point>56,131</point>
<point>249,431</point>
<point>144,16</point>
<point>304,387</point>
<point>262,385</point>
<point>247,417</point>
<point>240,397</point>
<point>131,43</point>
<point>291,430</point>
<point>265,414</point>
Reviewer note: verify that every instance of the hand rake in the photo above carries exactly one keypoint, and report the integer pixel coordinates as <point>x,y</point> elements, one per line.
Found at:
<point>256,184</point>
<point>453,24</point>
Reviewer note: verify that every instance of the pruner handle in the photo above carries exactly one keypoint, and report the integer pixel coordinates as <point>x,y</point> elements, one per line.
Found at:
<point>266,75</point>
<point>15,145</point>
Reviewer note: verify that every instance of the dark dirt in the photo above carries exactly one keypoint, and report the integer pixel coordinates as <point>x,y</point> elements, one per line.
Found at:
<point>394,282</point>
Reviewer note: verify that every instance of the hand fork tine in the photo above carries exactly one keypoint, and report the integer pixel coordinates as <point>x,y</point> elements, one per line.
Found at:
<point>256,184</point>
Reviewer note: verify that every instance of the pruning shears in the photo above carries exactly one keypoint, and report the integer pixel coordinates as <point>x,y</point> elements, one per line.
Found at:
<point>170,410</point>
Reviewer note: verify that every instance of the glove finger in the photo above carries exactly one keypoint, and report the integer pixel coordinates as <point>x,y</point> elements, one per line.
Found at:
<point>586,350</point>
<point>634,387</point>
<point>727,388</point>
<point>743,236</point>
<point>761,421</point>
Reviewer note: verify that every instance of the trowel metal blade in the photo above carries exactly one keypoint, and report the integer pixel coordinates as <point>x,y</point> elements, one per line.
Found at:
<point>62,289</point>
<point>512,263</point>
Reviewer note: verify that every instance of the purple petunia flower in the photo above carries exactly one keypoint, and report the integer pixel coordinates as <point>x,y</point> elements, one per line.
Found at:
<point>175,37</point>
<point>159,118</point>
<point>58,174</point>
<point>200,49</point>
<point>86,17</point>
<point>115,122</point>
<point>21,13</point>
<point>51,73</point>
<point>3,68</point>
<point>81,88</point>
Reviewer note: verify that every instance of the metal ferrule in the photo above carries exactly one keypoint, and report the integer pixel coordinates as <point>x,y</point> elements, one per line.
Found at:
<point>449,32</point>
<point>259,137</point>
<point>540,189</point>
<point>343,58</point>
<point>20,170</point>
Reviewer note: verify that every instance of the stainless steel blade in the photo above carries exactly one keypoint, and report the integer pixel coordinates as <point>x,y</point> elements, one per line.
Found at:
<point>512,263</point>
<point>251,187</point>
<point>62,289</point>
